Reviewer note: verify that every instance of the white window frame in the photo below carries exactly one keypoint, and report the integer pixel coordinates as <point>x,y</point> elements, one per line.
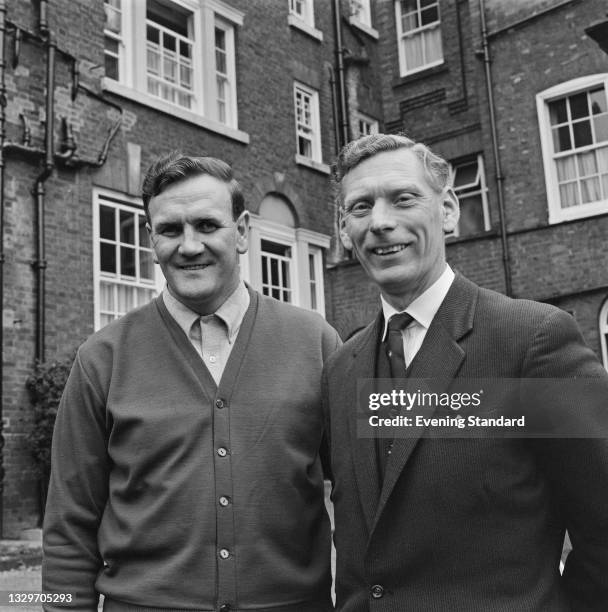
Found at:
<point>603,327</point>
<point>302,243</point>
<point>304,20</point>
<point>361,17</point>
<point>401,35</point>
<point>557,214</point>
<point>119,201</point>
<point>480,180</point>
<point>369,124</point>
<point>315,160</point>
<point>206,15</point>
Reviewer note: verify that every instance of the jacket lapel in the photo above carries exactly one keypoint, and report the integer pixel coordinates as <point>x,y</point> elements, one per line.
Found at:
<point>363,450</point>
<point>439,358</point>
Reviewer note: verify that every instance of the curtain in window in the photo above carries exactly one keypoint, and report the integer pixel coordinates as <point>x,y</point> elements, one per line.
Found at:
<point>432,45</point>
<point>590,187</point>
<point>414,51</point>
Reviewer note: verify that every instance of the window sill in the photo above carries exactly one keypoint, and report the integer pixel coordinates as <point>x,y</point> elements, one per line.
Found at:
<point>422,73</point>
<point>314,165</point>
<point>364,27</point>
<point>572,214</point>
<point>175,111</point>
<point>295,22</point>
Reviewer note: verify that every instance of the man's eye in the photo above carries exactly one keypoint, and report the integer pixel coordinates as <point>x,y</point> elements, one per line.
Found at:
<point>404,200</point>
<point>206,227</point>
<point>169,230</point>
<point>360,208</point>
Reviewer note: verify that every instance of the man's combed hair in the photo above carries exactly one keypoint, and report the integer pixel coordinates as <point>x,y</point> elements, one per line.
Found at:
<point>175,167</point>
<point>352,154</point>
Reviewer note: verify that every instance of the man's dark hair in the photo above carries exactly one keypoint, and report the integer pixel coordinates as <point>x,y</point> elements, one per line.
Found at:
<point>176,166</point>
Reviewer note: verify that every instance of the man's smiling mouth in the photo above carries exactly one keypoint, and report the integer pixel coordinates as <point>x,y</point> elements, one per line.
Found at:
<point>194,266</point>
<point>389,250</point>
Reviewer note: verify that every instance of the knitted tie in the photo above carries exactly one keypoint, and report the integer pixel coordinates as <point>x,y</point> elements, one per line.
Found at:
<point>394,343</point>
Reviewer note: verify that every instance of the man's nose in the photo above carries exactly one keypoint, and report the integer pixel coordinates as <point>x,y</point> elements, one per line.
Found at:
<point>382,216</point>
<point>191,243</point>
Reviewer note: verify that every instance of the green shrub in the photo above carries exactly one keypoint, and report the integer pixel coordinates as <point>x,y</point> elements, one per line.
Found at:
<point>45,386</point>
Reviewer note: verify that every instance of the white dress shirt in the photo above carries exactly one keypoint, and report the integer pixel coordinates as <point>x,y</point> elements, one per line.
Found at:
<point>423,309</point>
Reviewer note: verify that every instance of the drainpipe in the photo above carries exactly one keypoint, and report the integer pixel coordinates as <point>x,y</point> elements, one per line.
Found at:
<point>2,138</point>
<point>506,261</point>
<point>344,129</point>
<point>39,192</point>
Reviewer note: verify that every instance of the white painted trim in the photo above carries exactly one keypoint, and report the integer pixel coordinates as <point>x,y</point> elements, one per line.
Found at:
<point>556,213</point>
<point>603,327</point>
<point>174,111</point>
<point>311,163</point>
<point>295,22</point>
<point>369,30</point>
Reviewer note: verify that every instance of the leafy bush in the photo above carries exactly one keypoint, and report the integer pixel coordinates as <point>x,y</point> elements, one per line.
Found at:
<point>45,386</point>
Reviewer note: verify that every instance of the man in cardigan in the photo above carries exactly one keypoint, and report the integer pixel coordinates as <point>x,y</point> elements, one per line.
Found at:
<point>186,470</point>
<point>428,523</point>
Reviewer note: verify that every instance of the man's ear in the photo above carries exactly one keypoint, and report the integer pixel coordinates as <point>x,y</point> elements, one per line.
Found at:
<point>451,211</point>
<point>344,237</point>
<point>242,228</point>
<point>154,257</point>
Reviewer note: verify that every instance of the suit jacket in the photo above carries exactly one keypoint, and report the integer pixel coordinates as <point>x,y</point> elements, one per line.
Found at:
<point>471,524</point>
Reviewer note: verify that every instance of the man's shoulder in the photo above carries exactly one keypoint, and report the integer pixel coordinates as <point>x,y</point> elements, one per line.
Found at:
<point>293,315</point>
<point>121,330</point>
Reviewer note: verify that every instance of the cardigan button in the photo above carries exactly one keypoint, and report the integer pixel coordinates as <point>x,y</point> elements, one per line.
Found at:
<point>225,608</point>
<point>224,501</point>
<point>224,553</point>
<point>219,403</point>
<point>221,451</point>
<point>377,591</point>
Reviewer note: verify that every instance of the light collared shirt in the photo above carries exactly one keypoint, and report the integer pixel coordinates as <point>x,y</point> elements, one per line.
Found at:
<point>212,335</point>
<point>423,309</point>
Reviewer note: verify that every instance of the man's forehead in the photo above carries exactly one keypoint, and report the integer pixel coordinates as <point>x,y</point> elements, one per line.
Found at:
<point>203,189</point>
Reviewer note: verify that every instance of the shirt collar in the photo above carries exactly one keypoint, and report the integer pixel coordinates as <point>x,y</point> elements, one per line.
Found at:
<point>231,312</point>
<point>425,306</point>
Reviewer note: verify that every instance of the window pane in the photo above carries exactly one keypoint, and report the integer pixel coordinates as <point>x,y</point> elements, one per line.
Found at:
<point>153,34</point>
<point>597,98</point>
<point>106,222</point>
<point>125,298</point>
<point>146,265</point>
<point>185,49</point>
<point>566,168</point>
<point>432,44</point>
<point>578,106</point>
<point>424,3</point>
<point>111,45</point>
<point>111,65</point>
<point>410,22</point>
<point>169,42</point>
<point>582,133</point>
<point>106,296</point>
<point>408,6</point>
<point>600,125</point>
<point>561,139</point>
<point>602,159</point>
<point>127,261</point>
<point>590,190</point>
<point>587,164</point>
<point>285,274</point>
<point>568,195</point>
<point>304,147</point>
<point>558,112</point>
<point>430,15</point>
<point>471,215</point>
<point>413,51</point>
<point>107,257</point>
<point>465,174</point>
<point>127,227</point>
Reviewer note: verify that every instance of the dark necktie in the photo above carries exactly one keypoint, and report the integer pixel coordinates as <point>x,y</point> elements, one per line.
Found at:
<point>396,358</point>
<point>394,343</point>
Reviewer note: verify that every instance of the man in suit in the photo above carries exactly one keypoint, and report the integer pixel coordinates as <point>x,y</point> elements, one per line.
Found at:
<point>186,470</point>
<point>426,522</point>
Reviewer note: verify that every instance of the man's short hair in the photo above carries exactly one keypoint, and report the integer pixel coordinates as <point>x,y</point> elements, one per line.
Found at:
<point>175,167</point>
<point>437,170</point>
